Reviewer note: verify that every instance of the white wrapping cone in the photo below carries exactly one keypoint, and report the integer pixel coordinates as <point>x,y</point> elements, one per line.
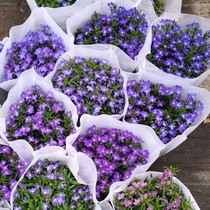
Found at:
<point>182,20</point>
<point>61,14</point>
<point>201,94</point>
<point>16,34</point>
<point>77,164</point>
<point>90,52</point>
<point>79,19</point>
<point>123,185</point>
<point>24,152</point>
<point>150,141</point>
<point>26,81</point>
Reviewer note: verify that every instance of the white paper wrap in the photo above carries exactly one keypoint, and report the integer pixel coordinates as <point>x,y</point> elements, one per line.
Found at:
<point>90,52</point>
<point>79,19</point>
<point>182,20</point>
<point>24,152</point>
<point>25,81</point>
<point>201,94</point>
<point>75,162</point>
<point>4,41</point>
<point>16,34</point>
<point>150,140</point>
<point>61,14</point>
<point>123,185</point>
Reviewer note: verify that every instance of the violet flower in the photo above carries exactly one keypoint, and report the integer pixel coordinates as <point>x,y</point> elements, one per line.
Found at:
<point>94,86</point>
<point>124,28</point>
<point>1,47</point>
<point>162,108</point>
<point>115,152</point>
<point>11,169</point>
<point>40,119</point>
<point>40,192</point>
<point>39,49</point>
<point>184,52</point>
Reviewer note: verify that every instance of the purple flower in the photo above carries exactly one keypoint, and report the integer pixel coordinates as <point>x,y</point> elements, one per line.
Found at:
<point>40,119</point>
<point>125,28</point>
<point>83,87</point>
<point>115,152</point>
<point>39,49</point>
<point>58,193</point>
<point>162,108</point>
<point>11,169</point>
<point>184,52</point>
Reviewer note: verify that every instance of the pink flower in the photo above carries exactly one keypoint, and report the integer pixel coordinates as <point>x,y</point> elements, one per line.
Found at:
<point>137,201</point>
<point>127,203</point>
<point>120,196</point>
<point>150,208</point>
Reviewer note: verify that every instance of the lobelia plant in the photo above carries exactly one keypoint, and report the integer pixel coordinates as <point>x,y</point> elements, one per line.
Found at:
<point>39,49</point>
<point>93,85</point>
<point>40,119</point>
<point>51,185</point>
<point>162,108</point>
<point>11,169</point>
<point>184,52</point>
<point>123,28</point>
<point>54,3</point>
<point>115,152</point>
<point>154,193</point>
<point>158,6</point>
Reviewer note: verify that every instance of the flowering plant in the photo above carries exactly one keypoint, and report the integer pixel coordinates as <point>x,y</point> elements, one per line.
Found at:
<point>92,84</point>
<point>37,117</point>
<point>158,6</point>
<point>39,49</point>
<point>51,185</point>
<point>184,52</point>
<point>55,3</point>
<point>161,107</point>
<point>124,28</point>
<point>159,192</point>
<point>115,152</point>
<point>11,169</point>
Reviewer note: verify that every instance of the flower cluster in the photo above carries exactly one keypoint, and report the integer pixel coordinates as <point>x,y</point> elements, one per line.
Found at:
<point>94,86</point>
<point>182,52</point>
<point>39,118</point>
<point>154,193</point>
<point>39,49</point>
<point>124,28</point>
<point>51,185</point>
<point>11,169</point>
<point>115,152</point>
<point>54,3</point>
<point>158,6</point>
<point>162,108</point>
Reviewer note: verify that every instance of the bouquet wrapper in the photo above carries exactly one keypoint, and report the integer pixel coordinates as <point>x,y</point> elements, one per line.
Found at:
<point>78,163</point>
<point>149,139</point>
<point>26,81</point>
<point>182,20</point>
<point>148,175</point>
<point>201,94</point>
<point>79,19</point>
<point>16,34</point>
<point>91,52</point>
<point>61,14</point>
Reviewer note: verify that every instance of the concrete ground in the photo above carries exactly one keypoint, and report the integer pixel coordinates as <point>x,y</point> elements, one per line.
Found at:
<point>192,157</point>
